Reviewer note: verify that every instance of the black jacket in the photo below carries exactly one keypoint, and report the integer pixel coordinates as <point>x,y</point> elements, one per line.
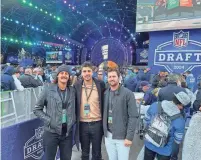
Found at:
<point>78,90</point>
<point>197,102</point>
<point>50,99</point>
<point>28,81</point>
<point>167,93</point>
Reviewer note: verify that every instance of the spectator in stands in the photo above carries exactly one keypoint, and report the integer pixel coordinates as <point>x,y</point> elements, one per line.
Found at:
<point>197,102</point>
<point>130,81</point>
<point>59,117</point>
<point>47,73</point>
<point>167,93</point>
<point>135,70</point>
<point>28,80</point>
<point>95,72</point>
<point>100,75</point>
<point>7,81</point>
<point>17,82</point>
<point>189,92</point>
<point>149,97</point>
<point>173,109</point>
<point>73,79</point>
<point>162,76</point>
<point>37,74</point>
<point>42,74</point>
<point>21,69</point>
<point>53,76</point>
<point>141,76</point>
<point>190,80</point>
<point>147,74</point>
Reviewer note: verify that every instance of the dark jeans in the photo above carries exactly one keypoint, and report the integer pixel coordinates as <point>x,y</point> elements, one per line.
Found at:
<point>175,151</point>
<point>91,132</point>
<point>52,140</point>
<point>150,155</point>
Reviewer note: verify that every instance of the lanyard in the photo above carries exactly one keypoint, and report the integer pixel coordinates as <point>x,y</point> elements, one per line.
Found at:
<point>63,97</point>
<point>85,88</point>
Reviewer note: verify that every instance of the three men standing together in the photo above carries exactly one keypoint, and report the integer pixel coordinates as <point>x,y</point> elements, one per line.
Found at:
<point>95,112</point>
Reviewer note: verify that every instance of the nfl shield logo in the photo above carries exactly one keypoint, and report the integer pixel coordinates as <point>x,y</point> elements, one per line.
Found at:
<point>180,39</point>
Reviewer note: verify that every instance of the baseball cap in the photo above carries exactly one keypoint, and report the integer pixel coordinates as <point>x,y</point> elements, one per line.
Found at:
<point>183,98</point>
<point>144,83</point>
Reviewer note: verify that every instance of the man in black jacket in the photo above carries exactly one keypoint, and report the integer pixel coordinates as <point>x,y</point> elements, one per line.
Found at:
<point>167,93</point>
<point>28,80</point>
<point>59,117</point>
<point>119,118</point>
<point>89,95</point>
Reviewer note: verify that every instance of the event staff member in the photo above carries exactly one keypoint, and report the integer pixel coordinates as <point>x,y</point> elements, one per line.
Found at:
<point>119,118</point>
<point>59,117</point>
<point>89,94</point>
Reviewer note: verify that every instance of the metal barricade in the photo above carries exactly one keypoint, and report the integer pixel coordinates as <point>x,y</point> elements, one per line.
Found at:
<point>19,100</point>
<point>17,106</point>
<point>8,110</point>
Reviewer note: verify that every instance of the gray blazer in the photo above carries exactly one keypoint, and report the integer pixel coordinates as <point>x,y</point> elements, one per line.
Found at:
<point>124,114</point>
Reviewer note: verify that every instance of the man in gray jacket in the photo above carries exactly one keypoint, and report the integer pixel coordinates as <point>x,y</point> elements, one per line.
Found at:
<point>119,118</point>
<point>59,117</point>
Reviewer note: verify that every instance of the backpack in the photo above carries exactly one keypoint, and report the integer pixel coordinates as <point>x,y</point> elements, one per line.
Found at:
<point>158,131</point>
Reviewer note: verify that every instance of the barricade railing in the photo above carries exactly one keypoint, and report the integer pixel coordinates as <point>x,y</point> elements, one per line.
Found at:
<point>17,106</point>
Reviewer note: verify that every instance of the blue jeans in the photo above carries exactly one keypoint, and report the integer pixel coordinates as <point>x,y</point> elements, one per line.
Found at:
<point>116,149</point>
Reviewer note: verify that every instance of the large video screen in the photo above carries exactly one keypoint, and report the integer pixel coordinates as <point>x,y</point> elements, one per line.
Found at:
<point>54,57</point>
<point>155,15</point>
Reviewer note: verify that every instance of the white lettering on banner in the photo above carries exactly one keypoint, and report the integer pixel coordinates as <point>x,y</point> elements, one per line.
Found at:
<point>178,57</point>
<point>188,56</point>
<point>198,56</point>
<point>179,67</point>
<point>170,57</point>
<point>31,149</point>
<point>161,57</point>
<point>34,146</point>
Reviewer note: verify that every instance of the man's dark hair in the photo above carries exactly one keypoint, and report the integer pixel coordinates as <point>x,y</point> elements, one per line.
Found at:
<point>176,101</point>
<point>188,72</point>
<point>114,70</point>
<point>87,64</point>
